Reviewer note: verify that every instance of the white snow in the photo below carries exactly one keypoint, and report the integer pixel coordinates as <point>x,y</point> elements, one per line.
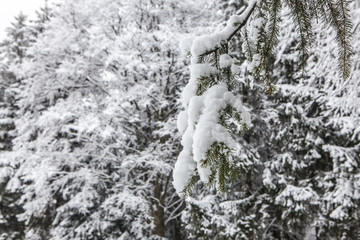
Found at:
<point>185,45</point>
<point>203,130</point>
<point>297,194</point>
<point>182,121</point>
<point>199,122</point>
<point>183,170</point>
<point>4,112</point>
<point>202,44</point>
<point>196,71</point>
<point>255,62</point>
<point>235,69</point>
<point>6,121</point>
<point>225,61</point>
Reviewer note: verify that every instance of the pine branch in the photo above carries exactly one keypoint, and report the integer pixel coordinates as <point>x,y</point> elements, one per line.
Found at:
<point>248,49</point>
<point>273,34</point>
<point>243,23</point>
<point>299,11</point>
<point>345,51</point>
<point>337,15</point>
<point>271,42</point>
<point>190,187</point>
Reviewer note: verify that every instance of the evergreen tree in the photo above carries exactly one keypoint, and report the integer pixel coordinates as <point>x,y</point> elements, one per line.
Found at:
<point>13,51</point>
<point>294,197</point>
<point>97,128</point>
<point>94,91</point>
<point>207,152</point>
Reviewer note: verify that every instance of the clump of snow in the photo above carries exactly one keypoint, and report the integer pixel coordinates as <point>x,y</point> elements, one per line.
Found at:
<point>204,172</point>
<point>293,195</point>
<point>338,213</point>
<point>196,71</point>
<point>254,31</point>
<point>182,121</point>
<point>185,45</point>
<point>205,43</point>
<point>183,171</point>
<point>235,69</point>
<point>225,61</point>
<point>196,106</point>
<point>255,62</point>
<point>201,120</point>
<point>267,179</point>
<point>208,130</point>
<point>202,44</point>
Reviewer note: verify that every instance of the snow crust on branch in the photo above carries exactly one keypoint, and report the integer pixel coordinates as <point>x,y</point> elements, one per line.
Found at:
<point>196,71</point>
<point>200,126</point>
<point>225,61</point>
<point>203,44</point>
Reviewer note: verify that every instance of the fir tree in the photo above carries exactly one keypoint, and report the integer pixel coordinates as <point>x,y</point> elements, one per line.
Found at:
<point>295,136</point>
<point>13,52</point>
<point>259,24</point>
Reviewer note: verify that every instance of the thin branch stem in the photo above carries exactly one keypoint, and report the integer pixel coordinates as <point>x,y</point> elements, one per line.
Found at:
<point>234,32</point>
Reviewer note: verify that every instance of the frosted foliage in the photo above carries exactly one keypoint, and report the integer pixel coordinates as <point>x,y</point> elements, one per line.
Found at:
<point>199,123</point>
<point>185,45</point>
<point>207,129</point>
<point>322,65</point>
<point>203,130</point>
<point>117,207</point>
<point>98,125</point>
<point>296,195</point>
<point>202,44</point>
<point>225,61</point>
<point>97,121</point>
<point>306,142</point>
<point>196,71</point>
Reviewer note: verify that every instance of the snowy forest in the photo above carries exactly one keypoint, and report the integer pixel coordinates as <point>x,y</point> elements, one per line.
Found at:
<point>162,119</point>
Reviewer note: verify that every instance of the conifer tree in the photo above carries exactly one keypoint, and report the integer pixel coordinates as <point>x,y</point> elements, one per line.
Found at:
<point>12,53</point>
<point>98,99</point>
<point>98,111</point>
<point>211,65</point>
<point>295,136</point>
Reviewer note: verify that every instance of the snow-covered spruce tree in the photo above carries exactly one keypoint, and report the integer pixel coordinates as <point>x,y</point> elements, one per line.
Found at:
<point>43,15</point>
<point>207,141</point>
<point>12,52</point>
<point>10,227</point>
<point>97,132</point>
<point>339,140</point>
<point>285,140</point>
<point>16,40</point>
<point>308,117</point>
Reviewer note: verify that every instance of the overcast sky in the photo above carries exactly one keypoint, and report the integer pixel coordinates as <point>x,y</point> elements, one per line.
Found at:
<point>10,8</point>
